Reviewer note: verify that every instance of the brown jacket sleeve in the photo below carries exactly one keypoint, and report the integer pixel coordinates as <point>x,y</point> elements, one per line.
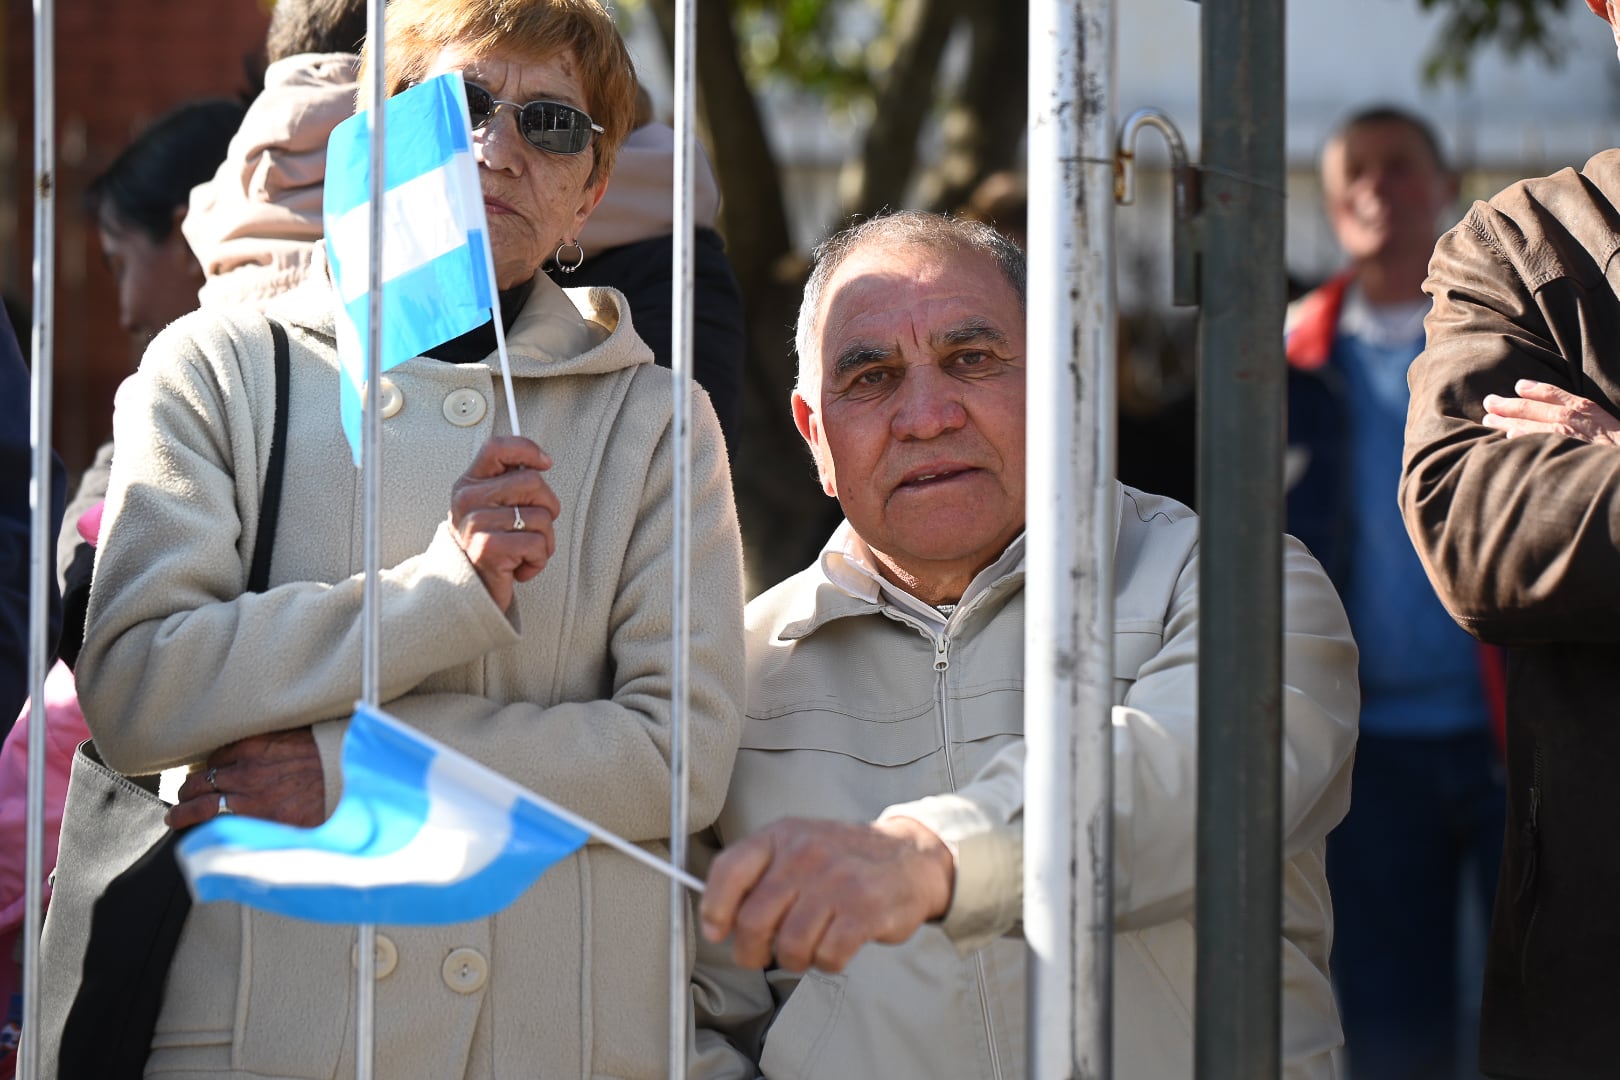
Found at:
<point>1520,537</point>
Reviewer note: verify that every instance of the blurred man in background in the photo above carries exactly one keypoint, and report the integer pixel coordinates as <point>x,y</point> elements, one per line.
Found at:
<point>1426,821</point>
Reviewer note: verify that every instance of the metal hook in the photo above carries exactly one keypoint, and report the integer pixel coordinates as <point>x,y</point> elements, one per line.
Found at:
<point>1184,241</point>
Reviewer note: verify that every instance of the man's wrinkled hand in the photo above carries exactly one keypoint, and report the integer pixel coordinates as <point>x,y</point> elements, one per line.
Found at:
<point>276,776</point>
<point>1544,409</point>
<point>811,893</point>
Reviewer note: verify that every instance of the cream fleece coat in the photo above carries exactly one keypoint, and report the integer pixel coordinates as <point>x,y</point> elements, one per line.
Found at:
<point>569,695</point>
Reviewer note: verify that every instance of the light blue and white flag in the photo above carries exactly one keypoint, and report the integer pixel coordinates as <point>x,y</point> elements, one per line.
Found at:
<point>437,272</point>
<point>422,835</point>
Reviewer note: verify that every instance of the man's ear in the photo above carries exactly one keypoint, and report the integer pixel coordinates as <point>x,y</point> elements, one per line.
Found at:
<point>809,425</point>
<point>1600,8</point>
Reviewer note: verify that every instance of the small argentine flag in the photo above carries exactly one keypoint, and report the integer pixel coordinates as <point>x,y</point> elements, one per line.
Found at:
<point>422,835</point>
<point>437,273</point>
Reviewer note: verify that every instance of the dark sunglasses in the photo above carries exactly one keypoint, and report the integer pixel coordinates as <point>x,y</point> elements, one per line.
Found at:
<point>548,125</point>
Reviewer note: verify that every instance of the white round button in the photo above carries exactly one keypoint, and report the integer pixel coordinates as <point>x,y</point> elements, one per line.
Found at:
<point>464,407</point>
<point>466,971</point>
<point>387,956</point>
<point>392,399</point>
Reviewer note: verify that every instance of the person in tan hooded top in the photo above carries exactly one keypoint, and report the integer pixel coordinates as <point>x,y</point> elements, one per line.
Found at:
<point>526,607</point>
<point>256,225</point>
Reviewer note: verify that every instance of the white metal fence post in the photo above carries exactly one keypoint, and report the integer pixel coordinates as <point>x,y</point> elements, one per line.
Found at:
<point>365,1002</point>
<point>1069,597</point>
<point>41,537</point>
<point>681,611</point>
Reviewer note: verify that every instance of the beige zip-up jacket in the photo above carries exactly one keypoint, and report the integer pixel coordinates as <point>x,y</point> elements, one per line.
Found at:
<point>567,694</point>
<point>857,709</point>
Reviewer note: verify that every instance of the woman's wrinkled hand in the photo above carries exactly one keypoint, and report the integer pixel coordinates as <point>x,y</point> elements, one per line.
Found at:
<point>1544,409</point>
<point>276,776</point>
<point>502,512</point>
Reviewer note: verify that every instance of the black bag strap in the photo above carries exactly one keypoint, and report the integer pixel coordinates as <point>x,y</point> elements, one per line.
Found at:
<point>135,926</point>
<point>270,506</point>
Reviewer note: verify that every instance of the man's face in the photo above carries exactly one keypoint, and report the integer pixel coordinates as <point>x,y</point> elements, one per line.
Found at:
<point>917,418</point>
<point>1384,190</point>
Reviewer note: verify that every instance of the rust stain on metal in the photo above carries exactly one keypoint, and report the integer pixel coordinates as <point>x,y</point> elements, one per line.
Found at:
<point>46,183</point>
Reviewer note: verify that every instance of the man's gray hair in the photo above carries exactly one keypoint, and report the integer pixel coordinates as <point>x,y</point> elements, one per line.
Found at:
<point>914,228</point>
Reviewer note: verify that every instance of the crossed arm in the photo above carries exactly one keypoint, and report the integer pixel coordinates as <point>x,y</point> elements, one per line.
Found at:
<point>1544,409</point>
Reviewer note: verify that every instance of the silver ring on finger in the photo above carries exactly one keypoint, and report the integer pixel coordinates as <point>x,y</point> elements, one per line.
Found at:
<point>224,807</point>
<point>212,778</point>
<point>518,524</point>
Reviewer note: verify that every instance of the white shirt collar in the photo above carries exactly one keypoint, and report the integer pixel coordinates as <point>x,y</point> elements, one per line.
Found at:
<point>1383,325</point>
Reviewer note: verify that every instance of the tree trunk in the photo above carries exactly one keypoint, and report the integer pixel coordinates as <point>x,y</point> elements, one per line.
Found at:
<point>753,214</point>
<point>785,518</point>
<point>889,154</point>
<point>985,125</point>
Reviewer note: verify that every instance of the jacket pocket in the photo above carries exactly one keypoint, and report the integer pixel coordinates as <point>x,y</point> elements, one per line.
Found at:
<point>802,1025</point>
<point>899,740</point>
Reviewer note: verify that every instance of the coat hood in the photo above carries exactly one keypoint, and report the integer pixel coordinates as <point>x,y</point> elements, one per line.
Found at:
<point>639,203</point>
<point>559,331</point>
<point>255,226</point>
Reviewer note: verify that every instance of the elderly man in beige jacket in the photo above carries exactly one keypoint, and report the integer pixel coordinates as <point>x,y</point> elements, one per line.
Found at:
<point>878,794</point>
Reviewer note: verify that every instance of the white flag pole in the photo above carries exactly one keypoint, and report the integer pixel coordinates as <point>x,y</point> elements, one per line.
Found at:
<point>506,363</point>
<point>371,501</point>
<point>41,535</point>
<point>681,613</point>
<point>495,315</point>
<point>613,840</point>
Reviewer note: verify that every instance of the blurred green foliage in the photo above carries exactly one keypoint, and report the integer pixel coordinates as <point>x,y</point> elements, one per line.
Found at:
<point>1516,26</point>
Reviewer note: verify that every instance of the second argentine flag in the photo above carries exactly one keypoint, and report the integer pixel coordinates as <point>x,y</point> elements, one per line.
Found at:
<point>421,835</point>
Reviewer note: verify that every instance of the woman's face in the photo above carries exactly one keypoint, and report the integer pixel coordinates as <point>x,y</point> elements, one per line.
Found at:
<point>534,200</point>
<point>157,279</point>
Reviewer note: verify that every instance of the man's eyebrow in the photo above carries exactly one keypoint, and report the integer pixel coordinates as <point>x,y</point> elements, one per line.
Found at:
<point>858,355</point>
<point>971,331</point>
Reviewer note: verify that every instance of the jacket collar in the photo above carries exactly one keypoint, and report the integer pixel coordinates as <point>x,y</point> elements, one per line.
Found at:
<point>825,600</point>
<point>1312,322</point>
<point>845,586</point>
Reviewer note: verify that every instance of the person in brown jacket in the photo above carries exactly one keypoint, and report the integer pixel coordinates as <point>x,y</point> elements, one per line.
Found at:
<point>1519,536</point>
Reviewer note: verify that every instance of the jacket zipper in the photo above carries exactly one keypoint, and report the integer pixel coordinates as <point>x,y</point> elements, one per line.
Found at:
<point>942,667</point>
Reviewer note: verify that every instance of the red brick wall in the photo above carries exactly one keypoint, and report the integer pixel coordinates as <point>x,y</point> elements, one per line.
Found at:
<point>119,64</point>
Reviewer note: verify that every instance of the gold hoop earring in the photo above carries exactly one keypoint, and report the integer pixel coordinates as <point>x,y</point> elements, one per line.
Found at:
<point>569,268</point>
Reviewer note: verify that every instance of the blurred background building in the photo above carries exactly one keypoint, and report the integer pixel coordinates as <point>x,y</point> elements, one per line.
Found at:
<point>119,66</point>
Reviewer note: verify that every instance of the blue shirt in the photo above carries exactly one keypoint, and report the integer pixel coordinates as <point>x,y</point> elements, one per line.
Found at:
<point>1420,673</point>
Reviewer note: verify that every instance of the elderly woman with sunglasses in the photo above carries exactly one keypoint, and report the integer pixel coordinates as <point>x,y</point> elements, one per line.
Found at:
<point>526,607</point>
